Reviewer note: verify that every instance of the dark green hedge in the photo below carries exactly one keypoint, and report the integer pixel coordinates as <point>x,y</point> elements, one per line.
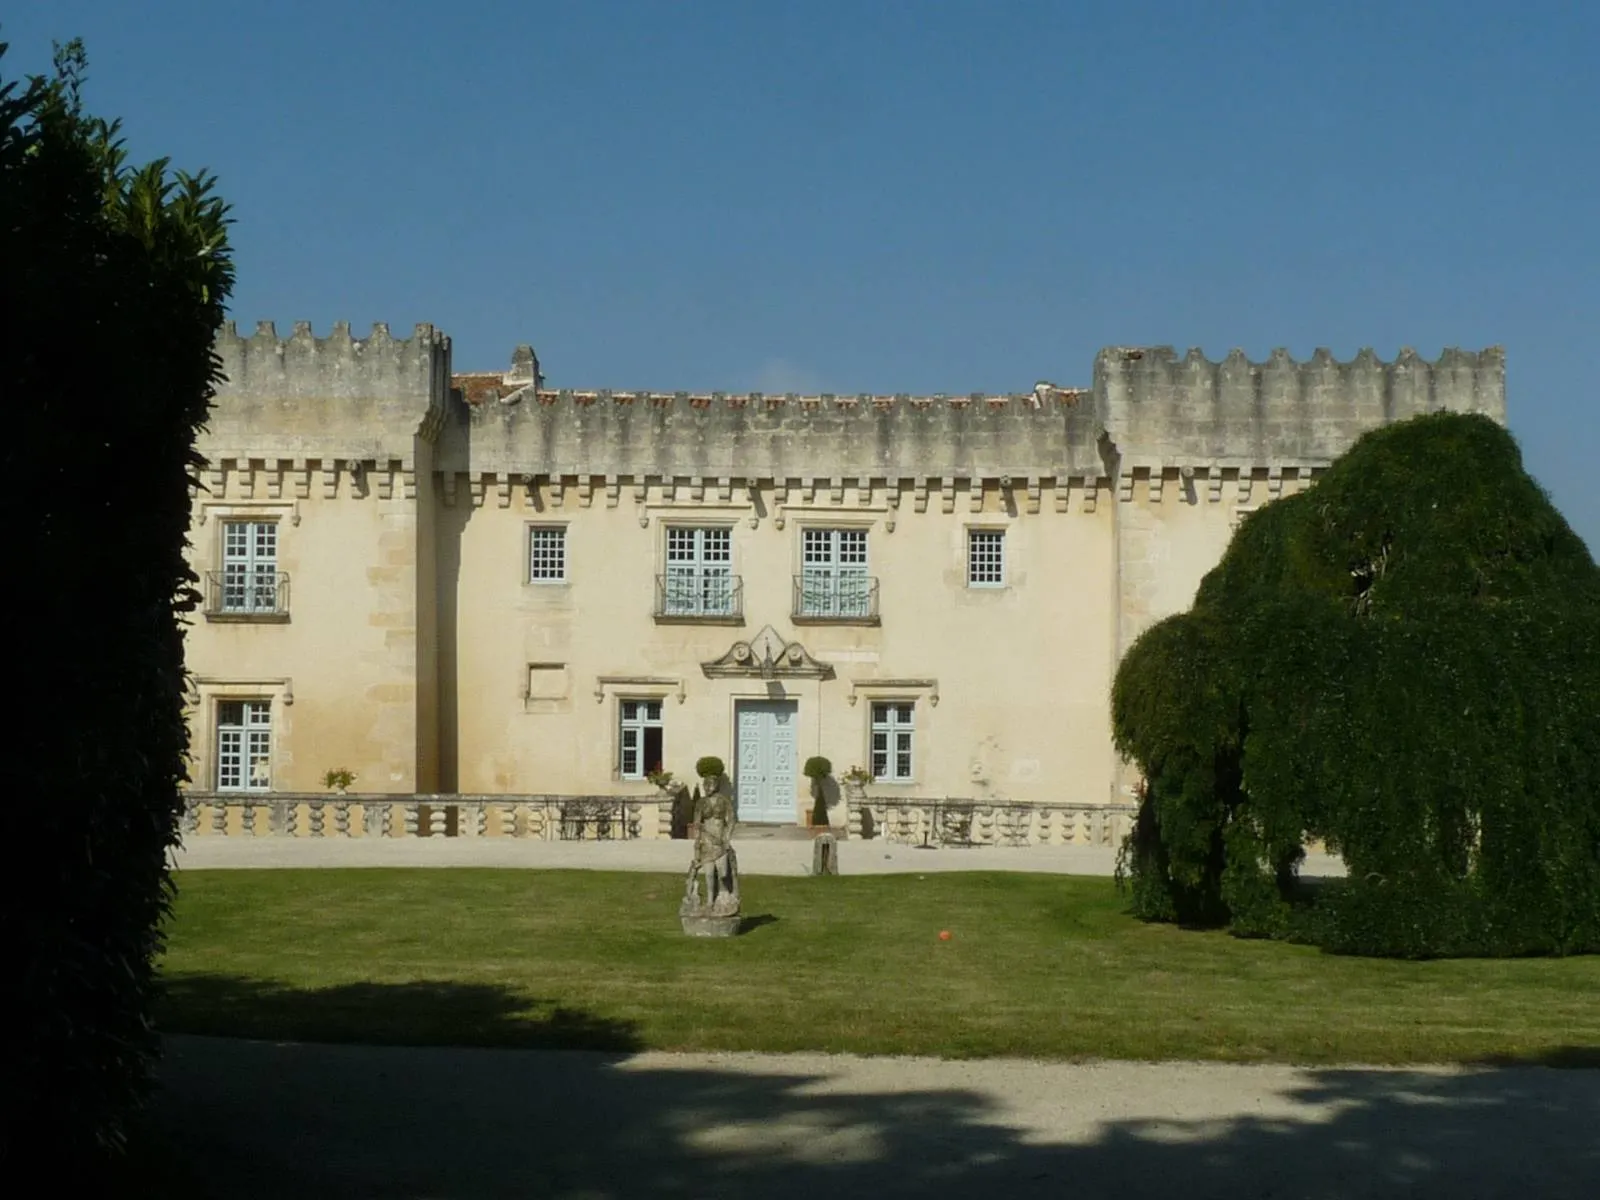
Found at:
<point>113,284</point>
<point>1405,663</point>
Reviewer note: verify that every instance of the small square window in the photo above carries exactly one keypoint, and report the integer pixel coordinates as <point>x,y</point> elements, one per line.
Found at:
<point>986,558</point>
<point>547,554</point>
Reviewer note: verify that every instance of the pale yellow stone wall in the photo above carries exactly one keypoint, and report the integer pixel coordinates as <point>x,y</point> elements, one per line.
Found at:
<point>1021,671</point>
<point>341,673</point>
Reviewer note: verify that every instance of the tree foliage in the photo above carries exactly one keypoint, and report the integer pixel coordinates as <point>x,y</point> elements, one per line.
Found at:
<point>1403,662</point>
<point>115,279</point>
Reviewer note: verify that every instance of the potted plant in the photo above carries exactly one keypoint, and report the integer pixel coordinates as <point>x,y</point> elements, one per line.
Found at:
<point>817,770</point>
<point>339,780</point>
<point>857,817</point>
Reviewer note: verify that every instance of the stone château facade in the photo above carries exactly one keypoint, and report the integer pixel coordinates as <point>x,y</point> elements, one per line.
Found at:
<point>474,586</point>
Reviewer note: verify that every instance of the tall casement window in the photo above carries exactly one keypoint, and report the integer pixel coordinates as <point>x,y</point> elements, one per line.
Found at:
<point>244,746</point>
<point>699,579</point>
<point>833,574</point>
<point>249,567</point>
<point>640,737</point>
<point>986,558</point>
<point>892,729</point>
<point>547,554</point>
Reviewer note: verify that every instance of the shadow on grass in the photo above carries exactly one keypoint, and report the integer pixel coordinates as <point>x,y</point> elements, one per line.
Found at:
<point>419,1013</point>
<point>259,1119</point>
<point>749,924</point>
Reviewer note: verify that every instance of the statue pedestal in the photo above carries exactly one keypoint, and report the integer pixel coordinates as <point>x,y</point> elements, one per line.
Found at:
<point>707,925</point>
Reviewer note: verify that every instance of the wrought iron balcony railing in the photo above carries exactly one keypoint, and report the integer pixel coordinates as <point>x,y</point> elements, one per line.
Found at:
<point>247,595</point>
<point>834,596</point>
<point>699,595</point>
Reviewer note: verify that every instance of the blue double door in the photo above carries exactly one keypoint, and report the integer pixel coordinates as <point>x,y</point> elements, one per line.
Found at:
<point>766,775</point>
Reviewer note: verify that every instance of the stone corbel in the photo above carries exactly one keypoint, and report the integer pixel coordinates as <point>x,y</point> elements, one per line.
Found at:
<point>1091,493</point>
<point>302,480</point>
<point>386,474</point>
<point>475,488</point>
<point>724,489</point>
<point>891,493</point>
<point>919,495</point>
<point>330,478</point>
<point>947,494</point>
<point>408,481</point>
<point>1274,482</point>
<point>1213,485</point>
<point>752,491</point>
<point>1063,491</point>
<point>217,479</point>
<point>250,473</point>
<point>780,493</point>
<point>1125,485</point>
<point>1158,477</point>
<point>836,490</point>
<point>864,491</point>
<point>613,491</point>
<point>975,494</point>
<point>585,490</point>
<point>1035,494</point>
<point>558,491</point>
<point>447,488</point>
<point>1247,479</point>
<point>275,480</point>
<point>502,488</point>
<point>697,488</point>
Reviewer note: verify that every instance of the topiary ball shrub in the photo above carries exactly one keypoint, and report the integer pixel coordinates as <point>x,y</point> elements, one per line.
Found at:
<point>1404,663</point>
<point>818,767</point>
<point>710,765</point>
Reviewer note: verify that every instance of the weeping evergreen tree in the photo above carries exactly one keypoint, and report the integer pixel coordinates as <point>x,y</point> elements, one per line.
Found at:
<point>1403,662</point>
<point>114,280</point>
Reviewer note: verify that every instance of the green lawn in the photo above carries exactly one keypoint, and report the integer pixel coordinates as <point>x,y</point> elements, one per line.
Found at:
<point>1041,966</point>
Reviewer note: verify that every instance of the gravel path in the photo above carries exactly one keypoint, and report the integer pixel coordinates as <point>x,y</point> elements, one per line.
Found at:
<point>757,856</point>
<point>351,1121</point>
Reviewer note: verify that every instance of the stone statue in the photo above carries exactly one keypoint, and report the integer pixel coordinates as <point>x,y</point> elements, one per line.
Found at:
<point>710,905</point>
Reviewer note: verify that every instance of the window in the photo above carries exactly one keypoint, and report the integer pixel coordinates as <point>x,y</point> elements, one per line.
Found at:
<point>986,558</point>
<point>641,738</point>
<point>547,554</point>
<point>891,742</point>
<point>833,579</point>
<point>249,567</point>
<point>699,580</point>
<point>244,746</point>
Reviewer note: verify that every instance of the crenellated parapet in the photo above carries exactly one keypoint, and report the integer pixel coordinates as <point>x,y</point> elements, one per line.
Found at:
<point>1048,432</point>
<point>311,402</point>
<point>1162,411</point>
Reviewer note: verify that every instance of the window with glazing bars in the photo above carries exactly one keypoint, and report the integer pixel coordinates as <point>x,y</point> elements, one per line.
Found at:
<point>699,579</point>
<point>986,558</point>
<point>833,578</point>
<point>244,746</point>
<point>641,738</point>
<point>892,728</point>
<point>249,566</point>
<point>547,554</point>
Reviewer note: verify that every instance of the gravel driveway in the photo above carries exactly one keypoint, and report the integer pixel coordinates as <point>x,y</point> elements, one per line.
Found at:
<point>306,1122</point>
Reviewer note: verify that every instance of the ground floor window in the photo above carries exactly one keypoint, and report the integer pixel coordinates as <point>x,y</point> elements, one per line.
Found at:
<point>244,745</point>
<point>641,738</point>
<point>892,729</point>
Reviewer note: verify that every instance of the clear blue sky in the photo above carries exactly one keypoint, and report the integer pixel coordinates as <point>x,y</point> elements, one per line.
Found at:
<point>875,196</point>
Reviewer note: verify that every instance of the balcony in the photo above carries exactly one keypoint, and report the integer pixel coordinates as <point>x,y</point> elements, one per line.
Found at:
<point>700,597</point>
<point>247,596</point>
<point>826,598</point>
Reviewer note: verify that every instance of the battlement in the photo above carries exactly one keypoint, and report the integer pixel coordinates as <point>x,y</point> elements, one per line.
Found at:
<point>513,426</point>
<point>1161,410</point>
<point>354,398</point>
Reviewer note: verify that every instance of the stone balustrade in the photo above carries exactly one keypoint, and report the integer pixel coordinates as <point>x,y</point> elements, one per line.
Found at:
<point>919,822</point>
<point>963,822</point>
<point>370,815</point>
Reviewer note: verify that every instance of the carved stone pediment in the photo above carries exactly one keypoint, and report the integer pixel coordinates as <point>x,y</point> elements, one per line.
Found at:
<point>767,656</point>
